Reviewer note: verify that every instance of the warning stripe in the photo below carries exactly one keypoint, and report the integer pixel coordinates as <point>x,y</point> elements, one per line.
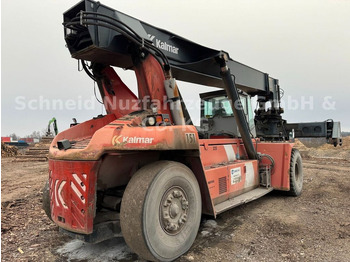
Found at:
<point>230,153</point>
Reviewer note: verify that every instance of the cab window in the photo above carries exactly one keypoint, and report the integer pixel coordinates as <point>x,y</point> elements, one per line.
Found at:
<point>217,106</point>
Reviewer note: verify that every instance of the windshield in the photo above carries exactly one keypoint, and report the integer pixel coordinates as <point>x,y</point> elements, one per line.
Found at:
<point>220,106</point>
<point>217,106</point>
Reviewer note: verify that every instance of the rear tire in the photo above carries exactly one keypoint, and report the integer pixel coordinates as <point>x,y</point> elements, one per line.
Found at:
<point>296,173</point>
<point>46,199</point>
<point>161,211</point>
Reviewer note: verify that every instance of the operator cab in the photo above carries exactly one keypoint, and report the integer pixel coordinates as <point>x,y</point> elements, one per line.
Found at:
<point>217,119</point>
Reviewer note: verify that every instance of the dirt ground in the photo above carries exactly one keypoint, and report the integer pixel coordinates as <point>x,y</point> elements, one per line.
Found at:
<point>312,227</point>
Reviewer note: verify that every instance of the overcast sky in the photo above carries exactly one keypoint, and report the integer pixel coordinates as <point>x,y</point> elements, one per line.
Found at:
<point>305,44</point>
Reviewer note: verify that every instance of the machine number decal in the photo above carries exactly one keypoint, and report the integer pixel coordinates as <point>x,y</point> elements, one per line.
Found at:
<point>236,175</point>
<point>190,138</point>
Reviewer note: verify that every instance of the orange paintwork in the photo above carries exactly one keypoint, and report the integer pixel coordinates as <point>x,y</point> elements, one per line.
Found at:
<point>218,156</point>
<point>220,184</point>
<point>117,97</point>
<point>281,153</point>
<point>123,137</point>
<point>150,82</point>
<point>220,163</point>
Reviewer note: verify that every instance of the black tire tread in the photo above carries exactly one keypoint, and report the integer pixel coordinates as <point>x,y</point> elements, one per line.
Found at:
<point>46,200</point>
<point>132,206</point>
<point>294,190</point>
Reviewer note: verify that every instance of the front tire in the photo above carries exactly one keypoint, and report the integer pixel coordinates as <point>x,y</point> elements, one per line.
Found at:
<point>161,211</point>
<point>296,173</point>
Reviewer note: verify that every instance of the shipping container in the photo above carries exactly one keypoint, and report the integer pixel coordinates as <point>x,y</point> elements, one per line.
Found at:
<point>5,139</point>
<point>28,140</point>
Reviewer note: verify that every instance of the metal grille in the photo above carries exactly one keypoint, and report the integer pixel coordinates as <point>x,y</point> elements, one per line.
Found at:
<point>222,185</point>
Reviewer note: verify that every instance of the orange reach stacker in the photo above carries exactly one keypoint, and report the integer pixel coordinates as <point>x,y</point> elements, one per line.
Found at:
<point>143,170</point>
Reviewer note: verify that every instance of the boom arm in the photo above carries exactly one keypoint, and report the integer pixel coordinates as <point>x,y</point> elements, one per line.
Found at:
<point>106,35</point>
<point>97,33</point>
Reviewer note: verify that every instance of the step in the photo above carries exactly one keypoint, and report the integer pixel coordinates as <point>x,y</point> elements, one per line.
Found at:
<point>42,159</point>
<point>37,152</point>
<point>242,199</point>
<point>30,156</point>
<point>47,138</point>
<point>39,149</point>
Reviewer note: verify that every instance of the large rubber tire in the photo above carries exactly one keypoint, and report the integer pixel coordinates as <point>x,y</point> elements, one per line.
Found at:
<point>144,209</point>
<point>296,173</point>
<point>46,199</point>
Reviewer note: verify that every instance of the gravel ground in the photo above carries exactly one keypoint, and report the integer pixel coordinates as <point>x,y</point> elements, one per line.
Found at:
<point>312,227</point>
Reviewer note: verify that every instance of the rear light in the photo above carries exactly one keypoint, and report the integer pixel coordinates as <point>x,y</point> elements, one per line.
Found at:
<point>163,120</point>
<point>157,120</point>
<point>151,121</point>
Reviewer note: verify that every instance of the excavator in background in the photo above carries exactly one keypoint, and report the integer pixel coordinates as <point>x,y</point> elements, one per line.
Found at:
<point>53,121</point>
<point>144,171</point>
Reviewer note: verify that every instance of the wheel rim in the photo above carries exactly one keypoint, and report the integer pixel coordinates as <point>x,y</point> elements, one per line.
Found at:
<point>173,210</point>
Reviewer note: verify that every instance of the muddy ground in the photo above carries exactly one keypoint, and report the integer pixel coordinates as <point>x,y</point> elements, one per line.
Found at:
<point>312,227</point>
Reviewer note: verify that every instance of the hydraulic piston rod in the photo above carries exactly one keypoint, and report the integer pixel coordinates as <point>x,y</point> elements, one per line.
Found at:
<point>237,109</point>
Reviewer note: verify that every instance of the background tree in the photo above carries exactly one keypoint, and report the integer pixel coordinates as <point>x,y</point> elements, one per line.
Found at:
<point>14,137</point>
<point>35,134</point>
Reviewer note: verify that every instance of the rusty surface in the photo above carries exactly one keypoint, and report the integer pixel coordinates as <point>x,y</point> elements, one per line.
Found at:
<point>110,139</point>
